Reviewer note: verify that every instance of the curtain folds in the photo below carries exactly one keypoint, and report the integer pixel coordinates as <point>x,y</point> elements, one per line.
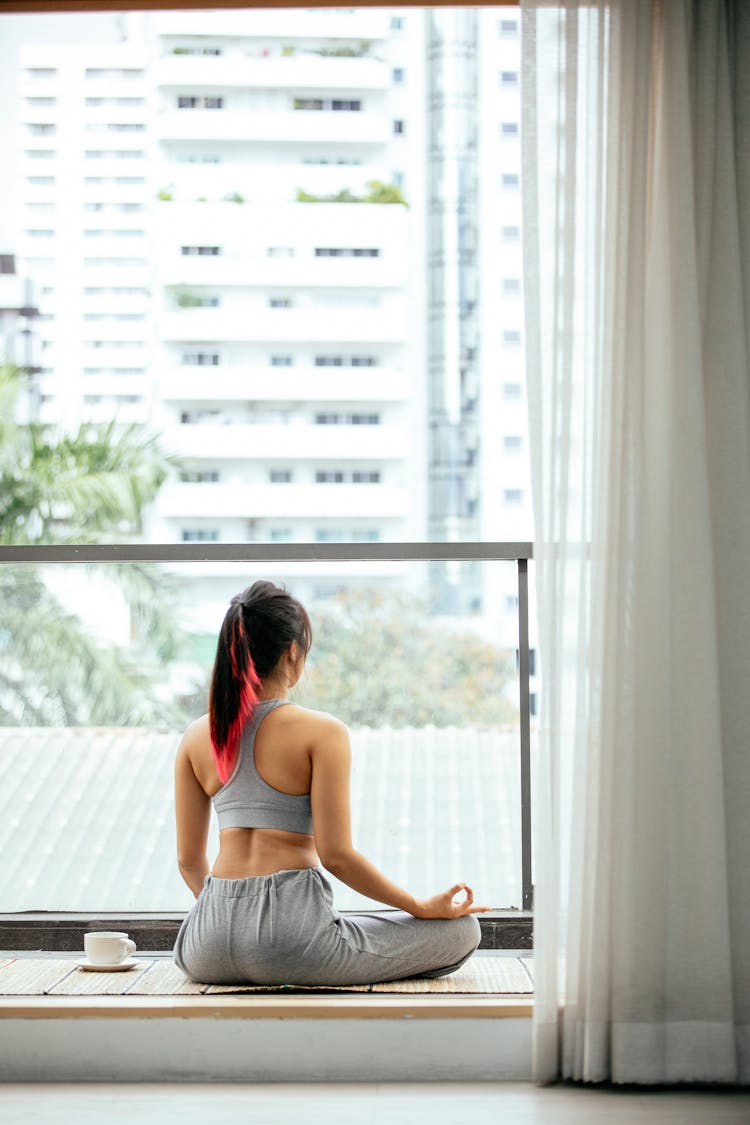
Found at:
<point>636,124</point>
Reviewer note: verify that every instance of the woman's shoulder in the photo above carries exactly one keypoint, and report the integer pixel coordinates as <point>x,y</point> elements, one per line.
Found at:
<point>322,722</point>
<point>197,736</point>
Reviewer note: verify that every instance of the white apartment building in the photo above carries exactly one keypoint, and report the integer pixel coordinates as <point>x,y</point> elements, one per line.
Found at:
<point>321,370</point>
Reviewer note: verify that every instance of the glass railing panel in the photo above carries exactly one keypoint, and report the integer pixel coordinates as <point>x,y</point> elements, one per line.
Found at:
<point>105,664</point>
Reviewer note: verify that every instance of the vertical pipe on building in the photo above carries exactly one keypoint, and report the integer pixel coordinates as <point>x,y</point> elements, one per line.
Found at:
<point>527,889</point>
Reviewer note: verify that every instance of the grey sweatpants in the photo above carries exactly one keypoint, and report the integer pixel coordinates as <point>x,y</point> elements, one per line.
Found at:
<point>283,929</point>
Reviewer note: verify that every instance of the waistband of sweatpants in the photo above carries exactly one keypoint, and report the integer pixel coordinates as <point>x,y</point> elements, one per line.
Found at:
<point>254,885</point>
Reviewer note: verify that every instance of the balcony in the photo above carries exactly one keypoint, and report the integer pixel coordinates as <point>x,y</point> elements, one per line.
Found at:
<point>273,126</point>
<point>259,24</point>
<point>346,326</point>
<point>296,272</point>
<point>299,441</point>
<point>492,1038</point>
<point>300,384</point>
<point>258,501</point>
<point>302,71</point>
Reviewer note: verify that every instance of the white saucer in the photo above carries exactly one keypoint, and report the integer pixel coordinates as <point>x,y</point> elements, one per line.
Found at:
<point>120,967</point>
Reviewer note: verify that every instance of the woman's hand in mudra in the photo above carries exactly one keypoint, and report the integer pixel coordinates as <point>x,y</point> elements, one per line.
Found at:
<point>447,905</point>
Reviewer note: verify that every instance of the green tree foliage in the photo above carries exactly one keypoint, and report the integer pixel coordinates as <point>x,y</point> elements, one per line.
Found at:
<point>383,660</point>
<point>383,193</point>
<point>377,192</point>
<point>89,486</point>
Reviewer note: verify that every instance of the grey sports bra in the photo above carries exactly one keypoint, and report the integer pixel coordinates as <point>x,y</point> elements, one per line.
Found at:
<point>247,801</point>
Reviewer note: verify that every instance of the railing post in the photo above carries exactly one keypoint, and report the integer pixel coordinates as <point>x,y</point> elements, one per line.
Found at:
<point>527,889</point>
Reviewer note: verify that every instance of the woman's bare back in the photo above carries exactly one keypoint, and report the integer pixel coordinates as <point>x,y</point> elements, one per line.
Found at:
<point>283,744</point>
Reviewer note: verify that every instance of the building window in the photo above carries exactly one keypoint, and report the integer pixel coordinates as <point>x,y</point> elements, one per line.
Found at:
<point>200,535</point>
<point>347,419</point>
<point>512,443</point>
<point>398,75</point>
<point>512,495</point>
<point>511,234</point>
<point>511,338</point>
<point>200,251</point>
<point>185,300</point>
<point>507,28</point>
<point>280,476</point>
<point>509,78</point>
<point>509,129</point>
<point>511,181</point>
<point>347,476</point>
<point>200,476</point>
<point>282,360</point>
<point>346,252</point>
<point>511,392</point>
<point>342,535</point>
<point>200,359</point>
<point>345,361</point>
<point>280,302</point>
<point>399,127</point>
<point>397,23</point>
<point>511,286</point>
<point>280,251</point>
<point>191,101</point>
<point>197,51</point>
<point>281,535</point>
<point>346,105</point>
<point>42,130</point>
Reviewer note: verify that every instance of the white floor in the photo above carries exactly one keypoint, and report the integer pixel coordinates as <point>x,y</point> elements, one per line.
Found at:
<point>511,1103</point>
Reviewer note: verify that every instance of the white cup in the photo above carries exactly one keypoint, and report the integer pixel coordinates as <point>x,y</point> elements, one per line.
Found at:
<point>107,947</point>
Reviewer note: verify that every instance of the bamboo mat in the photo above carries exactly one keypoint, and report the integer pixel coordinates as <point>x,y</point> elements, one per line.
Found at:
<point>28,976</point>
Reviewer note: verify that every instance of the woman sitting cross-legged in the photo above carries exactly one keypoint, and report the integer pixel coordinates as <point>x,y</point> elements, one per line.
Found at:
<point>278,777</point>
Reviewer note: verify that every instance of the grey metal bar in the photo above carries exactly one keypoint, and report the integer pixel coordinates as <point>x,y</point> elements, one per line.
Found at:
<point>284,552</point>
<point>527,889</point>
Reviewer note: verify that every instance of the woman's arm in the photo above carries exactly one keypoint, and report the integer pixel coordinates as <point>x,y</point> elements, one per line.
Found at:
<point>329,793</point>
<point>192,810</point>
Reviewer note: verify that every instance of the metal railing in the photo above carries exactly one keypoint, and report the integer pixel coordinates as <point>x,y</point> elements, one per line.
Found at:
<point>518,552</point>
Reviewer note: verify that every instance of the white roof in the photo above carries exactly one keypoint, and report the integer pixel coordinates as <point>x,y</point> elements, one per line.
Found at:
<point>87,816</point>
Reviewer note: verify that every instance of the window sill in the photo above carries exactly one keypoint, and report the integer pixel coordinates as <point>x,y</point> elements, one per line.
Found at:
<point>246,1007</point>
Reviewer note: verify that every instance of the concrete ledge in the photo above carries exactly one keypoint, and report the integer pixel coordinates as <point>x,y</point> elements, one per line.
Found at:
<point>265,1039</point>
<point>276,1049</point>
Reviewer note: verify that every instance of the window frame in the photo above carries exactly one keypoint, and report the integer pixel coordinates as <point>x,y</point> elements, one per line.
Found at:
<point>64,931</point>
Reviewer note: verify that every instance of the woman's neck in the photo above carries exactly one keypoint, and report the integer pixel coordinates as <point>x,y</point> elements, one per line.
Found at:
<point>273,689</point>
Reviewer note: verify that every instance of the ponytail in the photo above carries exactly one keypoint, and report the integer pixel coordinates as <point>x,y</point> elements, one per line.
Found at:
<point>259,626</point>
<point>235,688</point>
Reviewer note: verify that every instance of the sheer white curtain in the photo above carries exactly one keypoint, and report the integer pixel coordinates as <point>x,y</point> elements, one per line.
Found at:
<point>637,225</point>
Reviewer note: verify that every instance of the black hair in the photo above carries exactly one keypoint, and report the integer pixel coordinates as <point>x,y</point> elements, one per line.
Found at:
<point>258,628</point>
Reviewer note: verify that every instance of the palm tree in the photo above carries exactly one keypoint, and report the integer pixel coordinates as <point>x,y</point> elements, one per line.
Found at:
<point>84,487</point>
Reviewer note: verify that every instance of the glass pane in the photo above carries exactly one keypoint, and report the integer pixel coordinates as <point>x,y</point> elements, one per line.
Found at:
<point>286,244</point>
<point>95,713</point>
